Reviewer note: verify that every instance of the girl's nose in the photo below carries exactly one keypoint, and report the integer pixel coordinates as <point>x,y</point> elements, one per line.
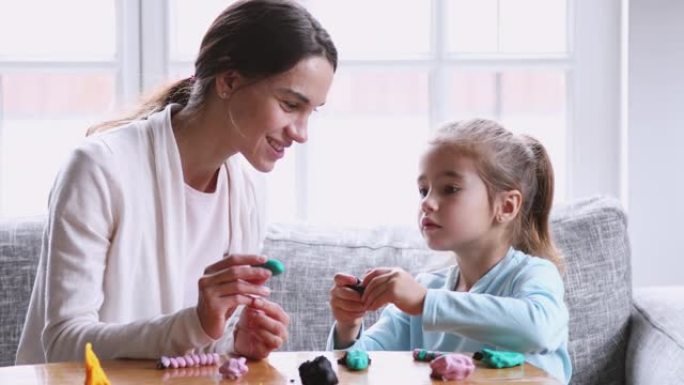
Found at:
<point>428,204</point>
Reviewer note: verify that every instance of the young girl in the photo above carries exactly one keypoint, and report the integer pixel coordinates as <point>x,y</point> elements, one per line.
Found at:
<point>486,195</point>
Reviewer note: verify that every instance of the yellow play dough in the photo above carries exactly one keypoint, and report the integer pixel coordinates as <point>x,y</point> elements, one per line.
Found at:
<point>94,373</point>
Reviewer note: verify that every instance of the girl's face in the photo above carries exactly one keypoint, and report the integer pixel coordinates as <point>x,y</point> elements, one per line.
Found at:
<point>271,114</point>
<point>454,209</point>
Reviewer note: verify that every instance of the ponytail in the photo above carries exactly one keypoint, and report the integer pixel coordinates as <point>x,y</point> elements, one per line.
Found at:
<point>507,162</point>
<point>178,92</point>
<point>534,235</point>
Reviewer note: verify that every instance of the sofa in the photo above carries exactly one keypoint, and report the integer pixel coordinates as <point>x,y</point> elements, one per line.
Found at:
<point>617,336</point>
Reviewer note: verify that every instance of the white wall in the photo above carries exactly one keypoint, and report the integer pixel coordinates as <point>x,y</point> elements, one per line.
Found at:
<point>655,140</point>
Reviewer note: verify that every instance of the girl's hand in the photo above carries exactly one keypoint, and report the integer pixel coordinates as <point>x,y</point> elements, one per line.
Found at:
<point>393,285</point>
<point>225,285</point>
<point>262,328</point>
<point>347,309</point>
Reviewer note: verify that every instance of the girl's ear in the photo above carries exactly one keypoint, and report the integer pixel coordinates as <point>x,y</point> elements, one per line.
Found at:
<point>508,205</point>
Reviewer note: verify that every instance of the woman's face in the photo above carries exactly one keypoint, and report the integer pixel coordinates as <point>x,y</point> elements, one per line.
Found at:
<point>267,116</point>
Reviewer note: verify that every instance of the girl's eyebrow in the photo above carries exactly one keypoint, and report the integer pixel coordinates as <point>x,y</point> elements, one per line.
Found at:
<point>444,174</point>
<point>451,174</point>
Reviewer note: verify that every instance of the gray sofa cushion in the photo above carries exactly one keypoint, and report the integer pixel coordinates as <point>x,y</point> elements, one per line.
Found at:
<point>313,254</point>
<point>592,233</point>
<point>656,343</point>
<point>19,253</point>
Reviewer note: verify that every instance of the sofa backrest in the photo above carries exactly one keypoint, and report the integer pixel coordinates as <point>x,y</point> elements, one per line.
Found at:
<point>20,241</point>
<point>591,233</point>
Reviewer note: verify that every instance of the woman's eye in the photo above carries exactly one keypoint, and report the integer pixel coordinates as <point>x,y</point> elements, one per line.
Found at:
<point>423,192</point>
<point>287,106</point>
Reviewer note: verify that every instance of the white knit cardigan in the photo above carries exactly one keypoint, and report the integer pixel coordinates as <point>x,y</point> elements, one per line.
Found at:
<point>111,267</point>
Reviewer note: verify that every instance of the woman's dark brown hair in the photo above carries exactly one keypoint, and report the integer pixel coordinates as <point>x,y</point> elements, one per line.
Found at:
<point>256,38</point>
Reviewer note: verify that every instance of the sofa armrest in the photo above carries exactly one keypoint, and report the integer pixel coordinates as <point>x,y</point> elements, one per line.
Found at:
<point>656,345</point>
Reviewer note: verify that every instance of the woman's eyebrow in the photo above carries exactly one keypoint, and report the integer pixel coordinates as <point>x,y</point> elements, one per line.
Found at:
<point>302,98</point>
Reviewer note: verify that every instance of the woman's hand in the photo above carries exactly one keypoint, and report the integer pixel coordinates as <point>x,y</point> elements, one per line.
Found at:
<point>393,285</point>
<point>347,309</point>
<point>262,328</point>
<point>226,284</point>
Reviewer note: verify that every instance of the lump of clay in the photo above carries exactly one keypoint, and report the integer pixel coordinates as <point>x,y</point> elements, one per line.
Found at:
<point>450,367</point>
<point>317,372</point>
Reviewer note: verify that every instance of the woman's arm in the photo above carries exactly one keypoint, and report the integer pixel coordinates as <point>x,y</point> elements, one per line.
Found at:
<point>82,220</point>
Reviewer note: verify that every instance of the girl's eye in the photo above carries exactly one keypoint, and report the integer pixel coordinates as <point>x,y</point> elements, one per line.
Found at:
<point>451,189</point>
<point>422,191</point>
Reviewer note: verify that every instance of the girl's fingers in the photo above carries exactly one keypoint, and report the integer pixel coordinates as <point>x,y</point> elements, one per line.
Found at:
<point>374,285</point>
<point>349,306</point>
<point>346,293</point>
<point>344,279</point>
<point>372,274</point>
<point>379,298</point>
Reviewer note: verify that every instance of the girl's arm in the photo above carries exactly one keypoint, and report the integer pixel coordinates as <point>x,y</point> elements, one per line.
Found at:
<point>533,319</point>
<point>390,332</point>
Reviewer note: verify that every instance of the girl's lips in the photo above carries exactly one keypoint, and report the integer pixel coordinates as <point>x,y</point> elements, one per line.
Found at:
<point>429,224</point>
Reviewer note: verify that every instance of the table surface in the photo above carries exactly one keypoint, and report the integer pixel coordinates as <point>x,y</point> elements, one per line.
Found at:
<point>278,368</point>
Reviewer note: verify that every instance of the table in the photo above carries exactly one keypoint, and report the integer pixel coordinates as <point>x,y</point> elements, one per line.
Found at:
<point>279,368</point>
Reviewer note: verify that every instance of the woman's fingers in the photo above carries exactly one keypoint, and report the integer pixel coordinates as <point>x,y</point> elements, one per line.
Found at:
<point>235,260</point>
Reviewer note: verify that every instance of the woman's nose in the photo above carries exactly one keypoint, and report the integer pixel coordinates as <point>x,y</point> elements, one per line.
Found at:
<point>297,130</point>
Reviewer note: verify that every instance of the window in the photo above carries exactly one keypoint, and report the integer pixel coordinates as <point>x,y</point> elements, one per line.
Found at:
<point>405,68</point>
<point>55,80</point>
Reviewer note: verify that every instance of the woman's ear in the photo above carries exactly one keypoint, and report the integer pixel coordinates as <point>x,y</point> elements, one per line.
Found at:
<point>226,83</point>
<point>508,207</point>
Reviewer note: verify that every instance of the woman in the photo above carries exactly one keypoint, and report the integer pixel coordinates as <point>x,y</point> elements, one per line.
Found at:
<point>142,216</point>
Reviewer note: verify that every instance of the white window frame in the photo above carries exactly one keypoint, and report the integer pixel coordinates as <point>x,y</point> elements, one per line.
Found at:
<point>595,161</point>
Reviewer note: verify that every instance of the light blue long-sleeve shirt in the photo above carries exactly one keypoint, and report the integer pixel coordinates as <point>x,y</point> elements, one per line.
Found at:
<point>517,306</point>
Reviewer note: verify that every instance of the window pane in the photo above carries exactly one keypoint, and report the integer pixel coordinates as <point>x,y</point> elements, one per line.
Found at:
<point>525,101</point>
<point>471,26</point>
<point>27,95</point>
<point>506,26</point>
<point>534,102</point>
<point>41,29</point>
<point>31,154</point>
<point>532,26</point>
<point>378,91</point>
<point>364,148</point>
<point>377,29</point>
<point>282,188</point>
<point>42,118</point>
<point>471,94</point>
<point>188,21</point>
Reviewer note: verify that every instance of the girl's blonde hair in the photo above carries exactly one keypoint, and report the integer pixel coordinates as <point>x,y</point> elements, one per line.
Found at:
<point>505,162</point>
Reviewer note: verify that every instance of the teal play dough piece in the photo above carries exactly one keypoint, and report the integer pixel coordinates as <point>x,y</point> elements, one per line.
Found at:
<point>356,359</point>
<point>274,265</point>
<point>500,359</point>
